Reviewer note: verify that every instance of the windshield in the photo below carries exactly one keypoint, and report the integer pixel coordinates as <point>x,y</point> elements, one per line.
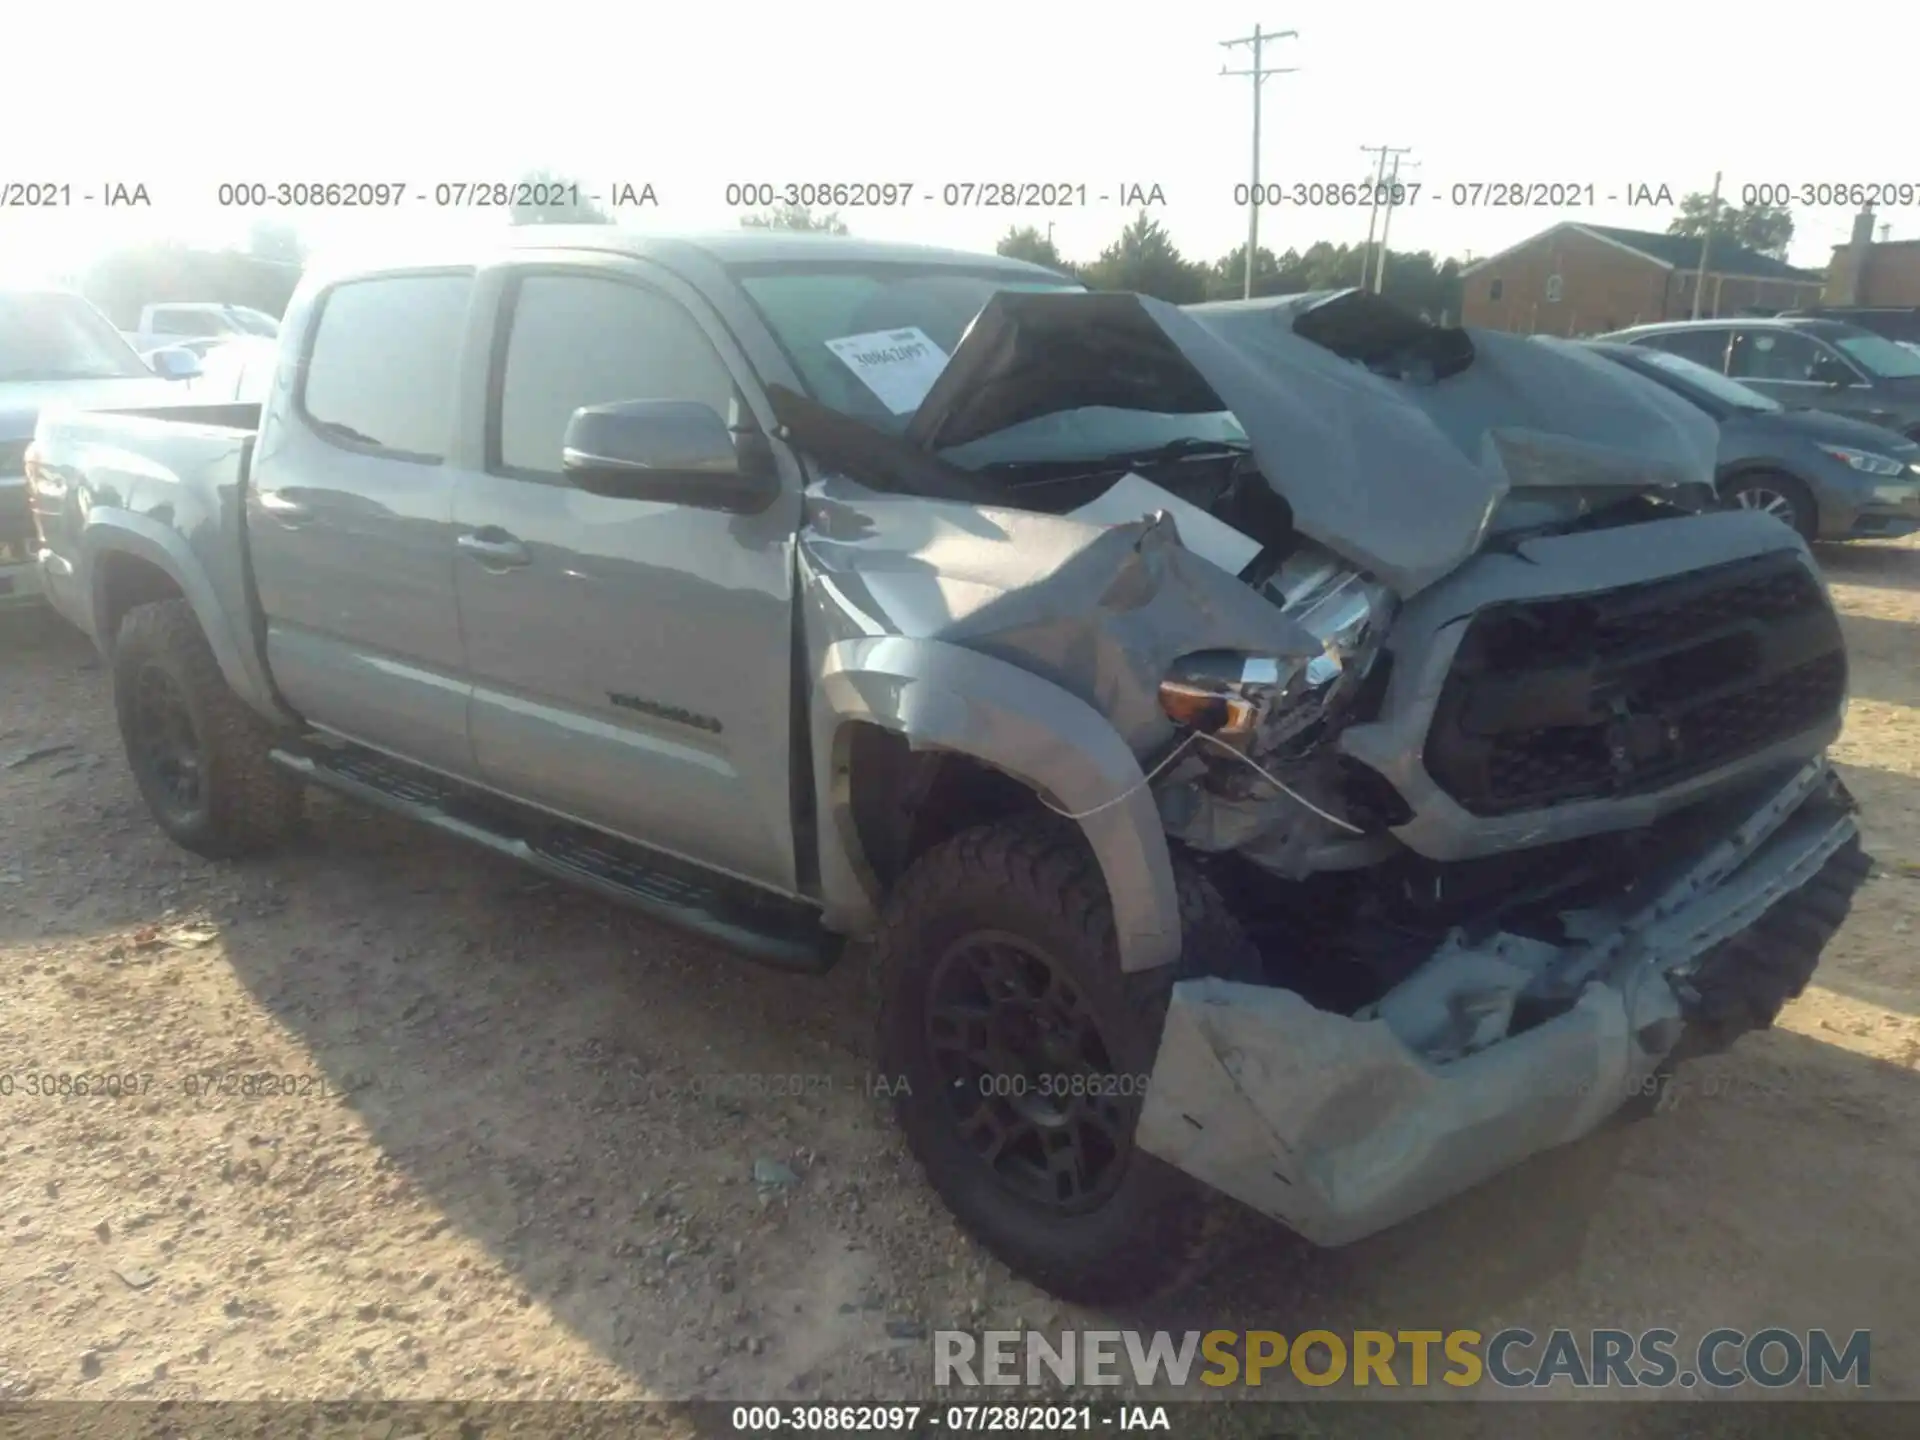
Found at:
<point>870,339</point>
<point>1716,385</point>
<point>52,336</point>
<point>1882,356</point>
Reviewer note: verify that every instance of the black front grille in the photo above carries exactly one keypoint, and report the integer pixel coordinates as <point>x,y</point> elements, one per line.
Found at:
<point>1635,689</point>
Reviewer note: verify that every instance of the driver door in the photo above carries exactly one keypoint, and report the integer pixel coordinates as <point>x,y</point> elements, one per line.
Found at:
<point>631,660</point>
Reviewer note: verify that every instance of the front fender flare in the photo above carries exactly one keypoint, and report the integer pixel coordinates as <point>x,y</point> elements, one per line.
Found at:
<point>942,697</point>
<point>113,531</point>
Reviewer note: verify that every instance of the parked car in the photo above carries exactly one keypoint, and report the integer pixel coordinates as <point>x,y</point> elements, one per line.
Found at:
<point>1829,477</point>
<point>175,322</point>
<point>1803,363</point>
<point>1282,745</point>
<point>55,349</point>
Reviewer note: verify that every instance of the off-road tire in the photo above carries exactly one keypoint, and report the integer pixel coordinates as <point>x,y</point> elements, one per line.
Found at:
<point>248,803</point>
<point>1158,1230</point>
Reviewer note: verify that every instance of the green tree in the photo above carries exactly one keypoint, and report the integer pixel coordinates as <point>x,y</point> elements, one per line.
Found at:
<point>1144,259</point>
<point>276,240</point>
<point>1765,228</point>
<point>570,208</point>
<point>1226,277</point>
<point>1025,242</point>
<point>796,217</point>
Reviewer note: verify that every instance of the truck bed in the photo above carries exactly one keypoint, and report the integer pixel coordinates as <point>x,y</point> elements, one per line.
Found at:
<point>168,480</point>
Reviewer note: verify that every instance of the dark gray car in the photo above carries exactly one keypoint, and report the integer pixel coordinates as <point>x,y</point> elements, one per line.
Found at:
<point>1805,364</point>
<point>1829,477</point>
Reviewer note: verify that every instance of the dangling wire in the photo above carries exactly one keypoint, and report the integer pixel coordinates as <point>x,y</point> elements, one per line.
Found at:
<point>1284,788</point>
<point>1131,790</point>
<point>1181,749</point>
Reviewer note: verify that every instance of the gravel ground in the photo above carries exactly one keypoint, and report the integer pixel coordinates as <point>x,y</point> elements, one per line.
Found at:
<point>513,1152</point>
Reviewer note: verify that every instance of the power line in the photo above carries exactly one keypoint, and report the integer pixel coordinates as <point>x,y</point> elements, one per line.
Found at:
<point>1257,40</point>
<point>1386,222</point>
<point>1379,188</point>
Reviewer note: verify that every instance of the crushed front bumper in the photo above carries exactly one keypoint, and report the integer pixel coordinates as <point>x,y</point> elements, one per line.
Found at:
<point>1340,1127</point>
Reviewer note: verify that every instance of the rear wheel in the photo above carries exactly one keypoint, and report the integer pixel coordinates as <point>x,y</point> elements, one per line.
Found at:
<point>198,754</point>
<point>1026,1052</point>
<point>1780,496</point>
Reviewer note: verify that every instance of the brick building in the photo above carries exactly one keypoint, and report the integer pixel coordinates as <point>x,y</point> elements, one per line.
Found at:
<point>1866,271</point>
<point>1576,279</point>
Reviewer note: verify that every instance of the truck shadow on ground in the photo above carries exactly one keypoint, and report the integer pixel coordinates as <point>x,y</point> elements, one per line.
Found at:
<point>515,1051</point>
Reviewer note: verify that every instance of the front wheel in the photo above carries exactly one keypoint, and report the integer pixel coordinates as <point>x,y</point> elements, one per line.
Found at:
<point>198,754</point>
<point>1780,496</point>
<point>1026,1052</point>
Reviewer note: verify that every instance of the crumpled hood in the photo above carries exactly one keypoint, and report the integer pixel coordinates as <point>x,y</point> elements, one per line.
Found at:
<point>1393,440</point>
<point>21,401</point>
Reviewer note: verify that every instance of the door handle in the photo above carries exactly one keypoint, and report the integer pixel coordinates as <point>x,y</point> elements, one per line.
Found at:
<point>494,548</point>
<point>289,512</point>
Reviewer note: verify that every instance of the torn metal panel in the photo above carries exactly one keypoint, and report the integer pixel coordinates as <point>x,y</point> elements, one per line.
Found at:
<point>1337,1129</point>
<point>1099,610</point>
<point>1340,1127</point>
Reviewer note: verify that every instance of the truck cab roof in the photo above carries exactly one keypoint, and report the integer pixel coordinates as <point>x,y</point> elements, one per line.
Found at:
<point>742,247</point>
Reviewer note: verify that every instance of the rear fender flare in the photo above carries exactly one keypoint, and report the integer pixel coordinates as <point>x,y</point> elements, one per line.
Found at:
<point>115,532</point>
<point>940,696</point>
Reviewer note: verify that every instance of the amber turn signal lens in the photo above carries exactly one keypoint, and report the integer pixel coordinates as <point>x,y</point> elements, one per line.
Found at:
<point>1209,711</point>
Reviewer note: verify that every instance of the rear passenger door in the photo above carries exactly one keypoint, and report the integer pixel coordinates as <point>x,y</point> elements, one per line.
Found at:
<point>631,660</point>
<point>1706,345</point>
<point>350,518</point>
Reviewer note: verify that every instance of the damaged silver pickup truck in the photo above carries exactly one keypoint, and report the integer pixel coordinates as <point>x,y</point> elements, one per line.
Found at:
<point>1286,746</point>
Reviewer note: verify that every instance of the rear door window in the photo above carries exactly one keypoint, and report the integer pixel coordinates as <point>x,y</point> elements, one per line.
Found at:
<point>1774,355</point>
<point>381,371</point>
<point>1706,347</point>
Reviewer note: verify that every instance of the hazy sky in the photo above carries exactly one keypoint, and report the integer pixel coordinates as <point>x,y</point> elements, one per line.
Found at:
<point>183,96</point>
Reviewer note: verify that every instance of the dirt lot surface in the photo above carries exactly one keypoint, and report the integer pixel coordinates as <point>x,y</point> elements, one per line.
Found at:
<point>518,1148</point>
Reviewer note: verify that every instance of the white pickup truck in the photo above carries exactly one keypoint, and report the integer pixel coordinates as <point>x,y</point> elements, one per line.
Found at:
<point>198,324</point>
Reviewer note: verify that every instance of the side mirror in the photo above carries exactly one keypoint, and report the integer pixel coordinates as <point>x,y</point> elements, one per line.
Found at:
<point>679,451</point>
<point>174,363</point>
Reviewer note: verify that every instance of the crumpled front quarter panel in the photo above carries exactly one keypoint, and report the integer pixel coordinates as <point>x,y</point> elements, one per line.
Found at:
<point>1037,646</point>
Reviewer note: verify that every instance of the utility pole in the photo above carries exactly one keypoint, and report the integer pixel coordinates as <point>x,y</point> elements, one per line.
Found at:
<point>1706,244</point>
<point>1386,223</point>
<point>1373,212</point>
<point>1257,40</point>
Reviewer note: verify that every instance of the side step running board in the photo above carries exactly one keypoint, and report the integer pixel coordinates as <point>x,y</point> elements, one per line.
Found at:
<point>784,934</point>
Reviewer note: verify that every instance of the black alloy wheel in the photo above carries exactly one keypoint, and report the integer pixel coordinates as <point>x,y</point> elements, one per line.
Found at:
<point>1027,1072</point>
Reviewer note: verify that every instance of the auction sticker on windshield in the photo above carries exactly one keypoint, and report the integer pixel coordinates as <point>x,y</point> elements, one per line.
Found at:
<point>898,366</point>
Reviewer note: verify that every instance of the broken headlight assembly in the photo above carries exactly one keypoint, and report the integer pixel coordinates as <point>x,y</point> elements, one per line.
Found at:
<point>1264,703</point>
